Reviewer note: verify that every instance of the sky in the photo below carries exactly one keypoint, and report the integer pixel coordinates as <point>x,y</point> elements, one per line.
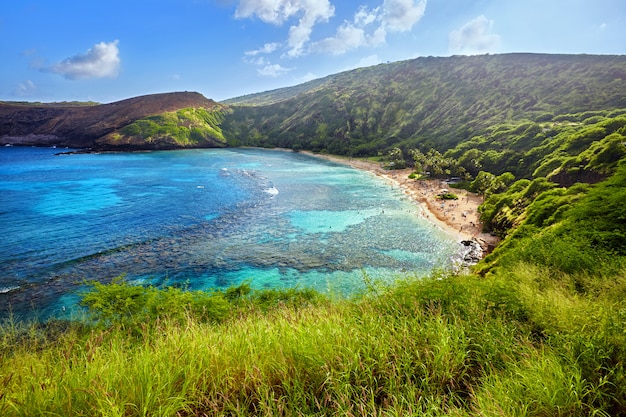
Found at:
<point>104,51</point>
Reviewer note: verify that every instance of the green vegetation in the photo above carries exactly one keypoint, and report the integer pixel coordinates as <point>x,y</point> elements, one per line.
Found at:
<point>435,165</point>
<point>188,127</point>
<point>535,329</point>
<point>448,196</point>
<point>119,302</point>
<point>429,103</point>
<point>521,343</point>
<point>585,148</point>
<point>581,229</point>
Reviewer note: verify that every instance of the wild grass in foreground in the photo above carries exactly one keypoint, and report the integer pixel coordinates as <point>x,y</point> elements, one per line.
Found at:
<point>448,345</point>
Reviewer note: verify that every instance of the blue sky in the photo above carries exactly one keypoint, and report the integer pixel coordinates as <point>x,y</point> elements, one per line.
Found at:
<point>63,50</point>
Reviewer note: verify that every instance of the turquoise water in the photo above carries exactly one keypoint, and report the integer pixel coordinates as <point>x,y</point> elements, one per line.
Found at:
<point>199,218</point>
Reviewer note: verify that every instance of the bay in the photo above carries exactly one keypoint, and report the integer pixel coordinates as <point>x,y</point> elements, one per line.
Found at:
<point>201,219</point>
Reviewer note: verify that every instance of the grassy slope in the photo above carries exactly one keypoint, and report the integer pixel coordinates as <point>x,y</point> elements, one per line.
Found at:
<point>187,127</point>
<point>451,346</point>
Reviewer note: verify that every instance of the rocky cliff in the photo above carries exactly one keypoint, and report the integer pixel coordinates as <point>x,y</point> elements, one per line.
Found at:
<point>101,126</point>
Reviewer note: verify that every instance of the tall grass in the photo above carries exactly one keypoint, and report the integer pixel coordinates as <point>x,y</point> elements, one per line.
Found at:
<point>449,345</point>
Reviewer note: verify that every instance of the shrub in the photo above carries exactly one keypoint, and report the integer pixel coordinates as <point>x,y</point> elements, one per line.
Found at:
<point>447,196</point>
<point>122,303</point>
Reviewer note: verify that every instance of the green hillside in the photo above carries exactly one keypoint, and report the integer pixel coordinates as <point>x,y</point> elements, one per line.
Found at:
<point>184,128</point>
<point>427,102</point>
<point>550,148</point>
<point>537,328</point>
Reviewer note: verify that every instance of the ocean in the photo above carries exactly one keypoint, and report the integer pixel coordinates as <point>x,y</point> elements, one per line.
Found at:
<point>201,219</point>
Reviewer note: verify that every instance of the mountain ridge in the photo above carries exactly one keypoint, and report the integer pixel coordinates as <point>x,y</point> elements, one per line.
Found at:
<point>426,102</point>
<point>431,102</point>
<point>283,93</point>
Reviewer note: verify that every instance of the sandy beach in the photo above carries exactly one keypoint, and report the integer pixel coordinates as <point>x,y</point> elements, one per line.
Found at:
<point>459,218</point>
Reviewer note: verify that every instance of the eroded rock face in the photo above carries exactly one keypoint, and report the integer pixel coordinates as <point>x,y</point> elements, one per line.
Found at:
<point>88,126</point>
<point>472,252</point>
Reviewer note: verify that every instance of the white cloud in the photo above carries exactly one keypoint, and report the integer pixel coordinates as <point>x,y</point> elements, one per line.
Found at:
<point>268,48</point>
<point>474,37</point>
<point>401,15</point>
<point>347,37</point>
<point>306,77</point>
<point>367,28</point>
<point>363,17</point>
<point>277,12</point>
<point>98,62</point>
<point>24,89</point>
<point>269,11</point>
<point>378,37</point>
<point>259,61</point>
<point>355,34</point>
<point>368,61</point>
<point>273,70</point>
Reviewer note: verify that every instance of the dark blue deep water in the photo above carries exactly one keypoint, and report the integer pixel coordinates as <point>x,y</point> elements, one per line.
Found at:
<point>199,218</point>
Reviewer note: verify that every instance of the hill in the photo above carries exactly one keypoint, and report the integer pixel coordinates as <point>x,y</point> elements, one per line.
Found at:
<point>421,103</point>
<point>115,125</point>
<point>426,102</point>
<point>535,329</point>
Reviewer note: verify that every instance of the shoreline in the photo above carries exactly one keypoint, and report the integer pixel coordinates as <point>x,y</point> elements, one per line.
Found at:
<point>458,218</point>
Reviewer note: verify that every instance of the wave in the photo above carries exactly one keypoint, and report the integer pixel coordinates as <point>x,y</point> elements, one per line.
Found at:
<point>6,290</point>
<point>271,189</point>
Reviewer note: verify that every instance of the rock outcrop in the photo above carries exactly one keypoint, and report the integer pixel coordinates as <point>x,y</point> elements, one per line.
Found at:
<point>471,253</point>
<point>93,126</point>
